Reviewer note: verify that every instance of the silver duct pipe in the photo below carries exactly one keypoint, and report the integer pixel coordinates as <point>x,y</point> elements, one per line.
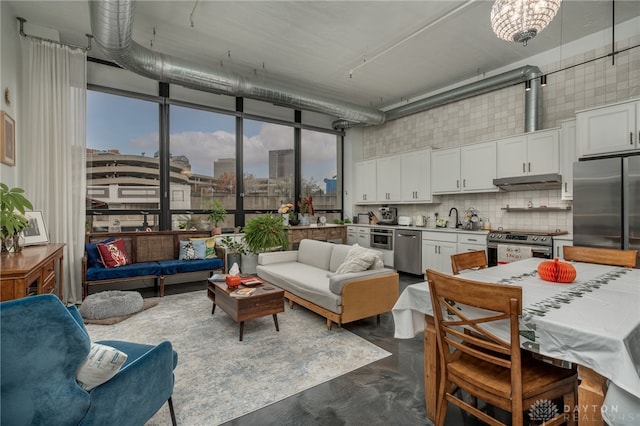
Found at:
<point>112,26</point>
<point>476,88</point>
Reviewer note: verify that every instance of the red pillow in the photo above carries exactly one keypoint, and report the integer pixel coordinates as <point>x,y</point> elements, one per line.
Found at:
<point>113,254</point>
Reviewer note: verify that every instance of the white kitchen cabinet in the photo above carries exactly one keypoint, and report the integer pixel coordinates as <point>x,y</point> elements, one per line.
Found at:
<point>388,175</point>
<point>609,129</point>
<point>437,248</point>
<point>529,154</point>
<point>445,170</point>
<point>472,242</point>
<point>365,176</point>
<point>364,236</point>
<point>558,244</point>
<point>478,167</point>
<point>567,157</point>
<point>352,235</point>
<point>470,168</point>
<point>416,176</point>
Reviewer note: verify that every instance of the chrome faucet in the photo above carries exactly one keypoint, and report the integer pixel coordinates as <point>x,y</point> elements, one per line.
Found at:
<point>458,224</point>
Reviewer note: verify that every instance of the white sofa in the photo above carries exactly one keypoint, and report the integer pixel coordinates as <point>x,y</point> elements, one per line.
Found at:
<point>308,278</point>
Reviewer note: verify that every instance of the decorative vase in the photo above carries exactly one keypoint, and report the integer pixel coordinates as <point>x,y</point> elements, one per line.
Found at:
<point>18,242</point>
<point>305,219</point>
<point>285,219</point>
<point>294,222</point>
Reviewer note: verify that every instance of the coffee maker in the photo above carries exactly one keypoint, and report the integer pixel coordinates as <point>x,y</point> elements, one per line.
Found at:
<point>389,215</point>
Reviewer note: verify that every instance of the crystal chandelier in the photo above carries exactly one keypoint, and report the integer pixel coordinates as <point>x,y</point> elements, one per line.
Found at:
<point>521,20</point>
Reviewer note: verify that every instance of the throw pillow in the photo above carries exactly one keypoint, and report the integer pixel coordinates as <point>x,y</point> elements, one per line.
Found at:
<point>209,247</point>
<point>93,255</point>
<point>200,248</point>
<point>187,252</point>
<point>114,254</point>
<point>358,259</point>
<point>100,365</point>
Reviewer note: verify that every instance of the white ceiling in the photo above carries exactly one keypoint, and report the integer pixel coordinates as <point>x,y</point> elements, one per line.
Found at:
<point>315,45</point>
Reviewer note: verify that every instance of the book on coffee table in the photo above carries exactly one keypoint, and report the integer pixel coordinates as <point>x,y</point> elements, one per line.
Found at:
<point>251,281</point>
<point>243,292</point>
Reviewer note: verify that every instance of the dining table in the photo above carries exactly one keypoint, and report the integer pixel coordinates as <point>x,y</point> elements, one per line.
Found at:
<point>592,322</point>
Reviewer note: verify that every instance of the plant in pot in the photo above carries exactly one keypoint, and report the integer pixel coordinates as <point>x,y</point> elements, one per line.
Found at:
<point>234,249</point>
<point>306,209</point>
<point>261,234</point>
<point>293,218</point>
<point>216,215</point>
<point>12,220</point>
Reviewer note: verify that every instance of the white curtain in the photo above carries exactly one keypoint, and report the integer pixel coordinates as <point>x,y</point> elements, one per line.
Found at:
<point>52,165</point>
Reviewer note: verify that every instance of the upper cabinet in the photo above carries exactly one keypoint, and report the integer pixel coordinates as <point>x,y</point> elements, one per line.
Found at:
<point>365,176</point>
<point>416,176</point>
<point>388,180</point>
<point>470,168</point>
<point>402,178</point>
<point>533,153</point>
<point>609,129</point>
<point>567,157</point>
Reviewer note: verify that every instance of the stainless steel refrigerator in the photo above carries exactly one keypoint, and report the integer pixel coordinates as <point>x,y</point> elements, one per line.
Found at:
<point>606,203</point>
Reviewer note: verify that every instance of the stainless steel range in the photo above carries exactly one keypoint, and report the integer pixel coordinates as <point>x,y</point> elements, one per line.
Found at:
<point>504,246</point>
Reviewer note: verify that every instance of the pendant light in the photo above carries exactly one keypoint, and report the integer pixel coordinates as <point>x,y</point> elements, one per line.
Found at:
<point>521,20</point>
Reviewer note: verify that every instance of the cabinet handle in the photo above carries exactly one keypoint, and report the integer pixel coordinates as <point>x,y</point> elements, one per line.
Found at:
<point>464,183</point>
<point>565,187</point>
<point>471,239</point>
<point>529,166</point>
<point>435,249</point>
<point>457,183</point>
<point>523,169</point>
<point>631,138</point>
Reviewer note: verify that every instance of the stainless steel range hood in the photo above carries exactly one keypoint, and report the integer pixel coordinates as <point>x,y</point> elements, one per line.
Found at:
<point>527,183</point>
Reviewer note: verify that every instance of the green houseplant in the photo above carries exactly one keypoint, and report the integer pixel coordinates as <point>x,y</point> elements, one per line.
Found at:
<point>12,207</point>
<point>217,215</point>
<point>234,249</point>
<point>261,234</point>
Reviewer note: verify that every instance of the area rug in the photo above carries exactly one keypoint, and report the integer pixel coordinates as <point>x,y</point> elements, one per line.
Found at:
<point>219,378</point>
<point>146,304</point>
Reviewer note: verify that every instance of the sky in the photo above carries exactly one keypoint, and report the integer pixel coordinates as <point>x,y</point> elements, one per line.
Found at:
<point>131,126</point>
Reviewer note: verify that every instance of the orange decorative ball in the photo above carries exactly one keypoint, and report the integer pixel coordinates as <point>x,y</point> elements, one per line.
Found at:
<point>556,271</point>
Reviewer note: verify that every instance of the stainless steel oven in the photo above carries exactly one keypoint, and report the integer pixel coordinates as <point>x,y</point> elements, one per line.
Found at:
<point>382,238</point>
<point>540,244</point>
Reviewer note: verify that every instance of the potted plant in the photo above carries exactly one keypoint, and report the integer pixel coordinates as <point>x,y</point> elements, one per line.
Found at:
<point>234,249</point>
<point>216,215</point>
<point>306,209</point>
<point>293,218</point>
<point>261,234</point>
<point>12,220</point>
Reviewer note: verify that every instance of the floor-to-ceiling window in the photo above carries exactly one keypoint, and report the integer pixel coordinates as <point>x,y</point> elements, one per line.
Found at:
<point>202,147</point>
<point>123,191</point>
<point>162,161</point>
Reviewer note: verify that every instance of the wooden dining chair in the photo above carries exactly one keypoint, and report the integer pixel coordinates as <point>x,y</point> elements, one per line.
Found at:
<point>487,367</point>
<point>603,256</point>
<point>468,260</point>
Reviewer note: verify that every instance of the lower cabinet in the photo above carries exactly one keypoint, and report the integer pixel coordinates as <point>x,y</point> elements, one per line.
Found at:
<point>558,244</point>
<point>332,233</point>
<point>437,248</point>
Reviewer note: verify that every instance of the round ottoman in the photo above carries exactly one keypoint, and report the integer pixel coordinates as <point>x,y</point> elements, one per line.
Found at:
<point>113,303</point>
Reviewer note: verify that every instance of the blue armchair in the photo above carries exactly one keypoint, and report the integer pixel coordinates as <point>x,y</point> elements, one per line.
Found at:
<point>42,345</point>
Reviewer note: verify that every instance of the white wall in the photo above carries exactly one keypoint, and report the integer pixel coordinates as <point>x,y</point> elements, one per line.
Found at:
<point>10,72</point>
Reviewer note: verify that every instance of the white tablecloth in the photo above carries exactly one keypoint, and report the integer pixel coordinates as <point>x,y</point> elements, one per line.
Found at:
<point>594,321</point>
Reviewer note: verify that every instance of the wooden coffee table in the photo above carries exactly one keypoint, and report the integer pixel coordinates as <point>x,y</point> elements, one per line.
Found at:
<point>266,300</point>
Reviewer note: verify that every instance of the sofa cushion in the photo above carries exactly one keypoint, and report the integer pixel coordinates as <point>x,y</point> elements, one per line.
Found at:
<point>304,281</point>
<point>208,245</point>
<point>127,271</point>
<point>338,254</point>
<point>315,253</point>
<point>93,255</point>
<point>101,364</point>
<point>170,267</point>
<point>114,254</point>
<point>358,259</point>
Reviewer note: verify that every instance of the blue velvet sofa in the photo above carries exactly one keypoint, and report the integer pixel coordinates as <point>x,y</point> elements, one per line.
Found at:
<point>154,255</point>
<point>42,345</point>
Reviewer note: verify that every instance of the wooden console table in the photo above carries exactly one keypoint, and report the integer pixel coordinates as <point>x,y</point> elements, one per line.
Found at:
<point>31,272</point>
<point>328,232</point>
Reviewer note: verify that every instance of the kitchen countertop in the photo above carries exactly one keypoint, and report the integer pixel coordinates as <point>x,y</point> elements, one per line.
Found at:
<point>424,228</point>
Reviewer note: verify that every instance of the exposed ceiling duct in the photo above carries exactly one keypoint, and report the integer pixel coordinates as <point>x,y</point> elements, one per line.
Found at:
<point>112,27</point>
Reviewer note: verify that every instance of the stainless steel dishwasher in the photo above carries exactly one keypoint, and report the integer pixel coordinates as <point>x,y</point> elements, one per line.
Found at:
<point>407,253</point>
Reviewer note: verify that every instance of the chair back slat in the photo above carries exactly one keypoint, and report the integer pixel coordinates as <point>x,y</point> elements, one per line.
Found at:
<point>468,260</point>
<point>603,256</point>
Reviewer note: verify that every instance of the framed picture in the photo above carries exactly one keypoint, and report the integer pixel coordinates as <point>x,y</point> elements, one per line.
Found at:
<point>7,140</point>
<point>35,232</point>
